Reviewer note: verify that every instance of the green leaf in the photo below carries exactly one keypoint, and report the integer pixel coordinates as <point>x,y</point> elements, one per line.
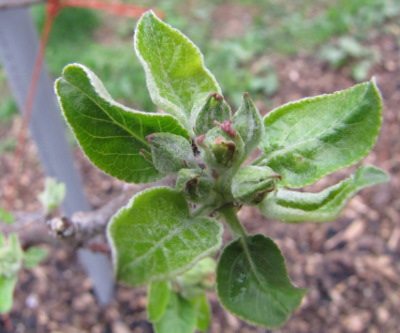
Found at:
<point>201,306</point>
<point>53,194</point>
<point>155,237</point>
<point>291,206</point>
<point>6,216</point>
<point>158,297</point>
<point>111,135</point>
<point>179,317</point>
<point>7,285</point>
<point>175,72</point>
<point>310,138</point>
<point>34,255</point>
<point>252,282</point>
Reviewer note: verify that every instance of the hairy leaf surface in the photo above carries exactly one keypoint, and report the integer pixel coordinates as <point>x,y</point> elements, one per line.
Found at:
<point>175,72</point>
<point>155,237</point>
<point>310,138</point>
<point>252,282</point>
<point>110,134</point>
<point>291,206</point>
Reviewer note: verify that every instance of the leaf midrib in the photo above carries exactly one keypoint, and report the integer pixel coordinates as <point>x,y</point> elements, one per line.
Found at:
<point>314,138</point>
<point>135,136</point>
<point>256,275</point>
<point>164,74</point>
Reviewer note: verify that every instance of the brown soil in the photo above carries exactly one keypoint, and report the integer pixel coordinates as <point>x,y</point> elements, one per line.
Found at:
<point>351,266</point>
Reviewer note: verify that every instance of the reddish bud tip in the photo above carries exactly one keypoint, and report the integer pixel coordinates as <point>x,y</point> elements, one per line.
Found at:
<point>200,140</point>
<point>226,126</point>
<point>149,138</point>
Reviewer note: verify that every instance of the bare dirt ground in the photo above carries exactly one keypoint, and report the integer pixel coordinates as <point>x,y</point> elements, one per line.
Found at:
<point>350,267</point>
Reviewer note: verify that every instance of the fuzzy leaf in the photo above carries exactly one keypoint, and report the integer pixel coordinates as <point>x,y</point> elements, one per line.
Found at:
<point>110,134</point>
<point>310,138</point>
<point>155,237</point>
<point>252,282</point>
<point>7,285</point>
<point>175,72</point>
<point>158,298</point>
<point>291,206</point>
<point>179,317</point>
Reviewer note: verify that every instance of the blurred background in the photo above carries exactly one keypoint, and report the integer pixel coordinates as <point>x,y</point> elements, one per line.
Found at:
<point>278,51</point>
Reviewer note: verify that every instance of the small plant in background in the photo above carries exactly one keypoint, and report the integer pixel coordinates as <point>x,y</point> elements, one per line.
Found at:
<point>12,256</point>
<point>53,195</point>
<point>161,235</point>
<point>349,52</point>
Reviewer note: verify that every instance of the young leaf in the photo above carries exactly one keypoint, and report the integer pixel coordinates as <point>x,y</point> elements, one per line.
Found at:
<point>53,194</point>
<point>34,255</point>
<point>201,306</point>
<point>110,134</point>
<point>252,282</point>
<point>179,317</point>
<point>291,206</point>
<point>7,285</point>
<point>155,237</point>
<point>158,298</point>
<point>247,121</point>
<point>175,72</point>
<point>310,138</point>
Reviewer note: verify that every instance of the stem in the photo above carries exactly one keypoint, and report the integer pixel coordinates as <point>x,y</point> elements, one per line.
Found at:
<point>232,220</point>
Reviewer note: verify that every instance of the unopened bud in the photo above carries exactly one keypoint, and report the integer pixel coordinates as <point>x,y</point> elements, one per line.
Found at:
<point>170,153</point>
<point>251,184</point>
<point>247,121</point>
<point>215,108</point>
<point>223,151</point>
<point>195,185</point>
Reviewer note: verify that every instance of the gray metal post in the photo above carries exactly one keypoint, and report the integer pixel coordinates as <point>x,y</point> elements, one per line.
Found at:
<point>18,48</point>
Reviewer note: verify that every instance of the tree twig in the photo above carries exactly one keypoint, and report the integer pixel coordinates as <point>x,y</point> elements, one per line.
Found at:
<point>77,230</point>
